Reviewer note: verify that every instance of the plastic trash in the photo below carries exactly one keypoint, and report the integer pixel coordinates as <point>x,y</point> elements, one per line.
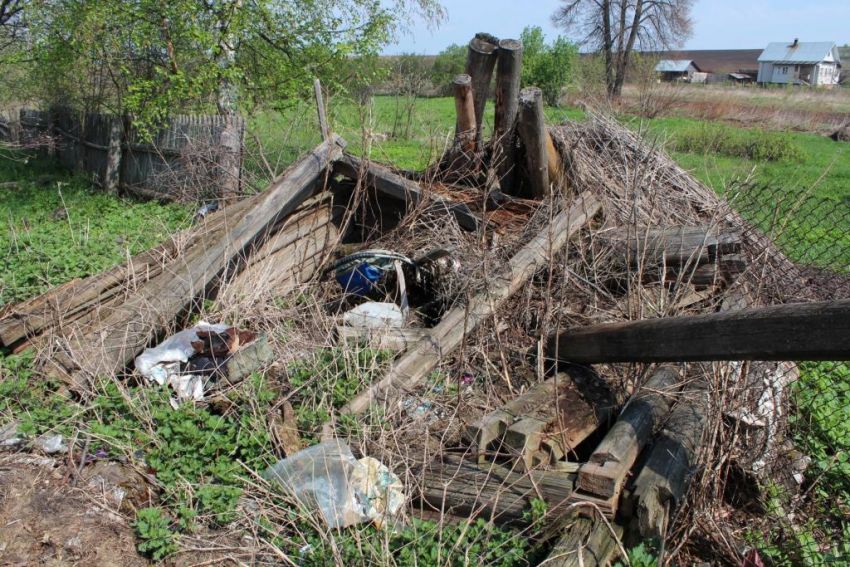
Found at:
<point>162,363</point>
<point>358,273</point>
<point>346,491</point>
<point>374,315</point>
<point>51,444</point>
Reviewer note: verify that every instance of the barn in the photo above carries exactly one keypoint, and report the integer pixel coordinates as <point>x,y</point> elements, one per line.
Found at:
<point>815,63</point>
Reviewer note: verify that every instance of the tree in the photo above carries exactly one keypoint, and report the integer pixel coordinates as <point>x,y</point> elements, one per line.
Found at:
<point>547,66</point>
<point>153,58</point>
<point>449,62</point>
<point>618,27</point>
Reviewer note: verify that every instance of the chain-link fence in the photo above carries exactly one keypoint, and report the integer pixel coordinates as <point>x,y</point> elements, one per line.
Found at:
<point>800,412</point>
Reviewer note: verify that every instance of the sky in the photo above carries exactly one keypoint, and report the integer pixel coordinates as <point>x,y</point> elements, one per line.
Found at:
<point>718,24</point>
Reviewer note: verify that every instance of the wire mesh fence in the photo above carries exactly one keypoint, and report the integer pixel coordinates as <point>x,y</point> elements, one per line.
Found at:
<point>799,411</point>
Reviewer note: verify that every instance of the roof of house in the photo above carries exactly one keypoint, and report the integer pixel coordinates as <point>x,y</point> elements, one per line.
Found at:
<point>740,76</point>
<point>674,65</point>
<point>802,52</point>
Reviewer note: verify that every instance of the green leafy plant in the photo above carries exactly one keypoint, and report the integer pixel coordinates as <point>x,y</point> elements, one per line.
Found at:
<point>153,528</point>
<point>758,145</point>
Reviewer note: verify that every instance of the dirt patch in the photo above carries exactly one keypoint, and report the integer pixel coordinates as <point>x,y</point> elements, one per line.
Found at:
<point>46,521</point>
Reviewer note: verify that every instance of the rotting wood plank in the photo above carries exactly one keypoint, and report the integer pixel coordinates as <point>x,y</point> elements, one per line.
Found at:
<point>128,328</point>
<point>672,246</point>
<point>798,331</point>
<point>587,543</point>
<point>609,464</point>
<point>664,478</point>
<point>443,339</point>
<point>403,189</point>
<point>457,486</point>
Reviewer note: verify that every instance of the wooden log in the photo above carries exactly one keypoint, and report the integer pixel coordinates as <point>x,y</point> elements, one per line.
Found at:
<point>466,128</point>
<point>460,487</point>
<point>480,62</point>
<point>386,338</point>
<point>531,128</point>
<point>508,73</point>
<point>403,189</point>
<point>443,339</point>
<point>587,543</point>
<point>799,331</point>
<point>604,473</point>
<point>663,481</point>
<point>128,328</point>
<point>672,246</point>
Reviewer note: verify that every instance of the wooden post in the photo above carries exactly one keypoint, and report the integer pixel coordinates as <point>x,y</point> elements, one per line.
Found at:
<point>531,128</point>
<point>508,73</point>
<point>480,62</point>
<point>230,157</point>
<point>112,173</point>
<point>605,471</point>
<point>443,339</point>
<point>465,110</point>
<point>801,331</point>
<point>320,108</point>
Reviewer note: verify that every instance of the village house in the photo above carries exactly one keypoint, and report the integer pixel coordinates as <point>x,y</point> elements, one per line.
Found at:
<point>800,63</point>
<point>676,69</point>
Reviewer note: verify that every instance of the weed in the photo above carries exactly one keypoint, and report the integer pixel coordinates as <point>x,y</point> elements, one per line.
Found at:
<point>153,529</point>
<point>757,145</point>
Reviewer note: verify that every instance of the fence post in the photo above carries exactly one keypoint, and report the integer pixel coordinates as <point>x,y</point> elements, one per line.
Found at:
<point>112,173</point>
<point>230,156</point>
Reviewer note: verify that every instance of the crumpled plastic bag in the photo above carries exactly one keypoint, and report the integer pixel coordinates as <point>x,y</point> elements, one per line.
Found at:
<point>374,315</point>
<point>161,364</point>
<point>344,490</point>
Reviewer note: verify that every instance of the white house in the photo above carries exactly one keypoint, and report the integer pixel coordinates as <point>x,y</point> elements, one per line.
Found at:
<point>814,63</point>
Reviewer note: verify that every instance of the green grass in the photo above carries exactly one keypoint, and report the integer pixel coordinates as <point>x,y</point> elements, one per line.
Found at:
<point>56,227</point>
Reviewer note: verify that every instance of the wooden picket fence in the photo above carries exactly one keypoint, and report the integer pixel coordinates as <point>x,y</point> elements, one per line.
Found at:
<point>190,157</point>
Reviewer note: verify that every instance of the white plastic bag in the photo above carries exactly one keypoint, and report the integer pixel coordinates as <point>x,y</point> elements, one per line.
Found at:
<point>374,315</point>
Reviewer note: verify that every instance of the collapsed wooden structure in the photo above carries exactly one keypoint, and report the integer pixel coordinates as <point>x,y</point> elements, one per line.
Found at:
<point>605,460</point>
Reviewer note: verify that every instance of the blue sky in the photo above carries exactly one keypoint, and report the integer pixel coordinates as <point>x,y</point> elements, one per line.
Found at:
<point>718,24</point>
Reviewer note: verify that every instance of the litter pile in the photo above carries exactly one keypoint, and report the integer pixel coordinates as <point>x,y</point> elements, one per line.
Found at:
<point>471,271</point>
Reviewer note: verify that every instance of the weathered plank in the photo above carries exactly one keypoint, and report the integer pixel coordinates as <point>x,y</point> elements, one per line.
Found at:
<point>672,246</point>
<point>405,190</point>
<point>586,543</point>
<point>129,327</point>
<point>811,331</point>
<point>606,470</point>
<point>461,487</point>
<point>443,339</point>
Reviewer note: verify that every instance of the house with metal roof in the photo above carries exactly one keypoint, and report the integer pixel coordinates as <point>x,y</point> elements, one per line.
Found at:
<point>676,69</point>
<point>813,63</point>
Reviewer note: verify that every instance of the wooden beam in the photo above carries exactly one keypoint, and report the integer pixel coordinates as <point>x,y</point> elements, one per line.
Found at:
<point>320,109</point>
<point>508,74</point>
<point>480,62</point>
<point>662,482</point>
<point>609,464</point>
<point>797,331</point>
<point>403,189</point>
<point>531,128</point>
<point>672,246</point>
<point>465,110</point>
<point>586,543</point>
<point>108,346</point>
<point>417,363</point>
<point>461,487</point>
